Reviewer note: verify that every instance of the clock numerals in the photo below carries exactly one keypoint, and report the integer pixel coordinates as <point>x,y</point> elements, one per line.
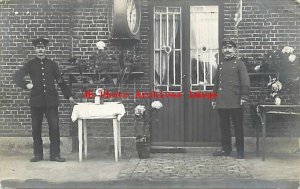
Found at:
<point>126,19</point>
<point>131,15</point>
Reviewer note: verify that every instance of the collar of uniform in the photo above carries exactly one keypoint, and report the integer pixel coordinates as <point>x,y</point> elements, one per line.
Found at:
<point>40,59</point>
<point>230,58</point>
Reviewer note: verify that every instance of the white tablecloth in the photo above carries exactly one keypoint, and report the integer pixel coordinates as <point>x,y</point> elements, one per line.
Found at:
<point>98,111</point>
<point>108,110</point>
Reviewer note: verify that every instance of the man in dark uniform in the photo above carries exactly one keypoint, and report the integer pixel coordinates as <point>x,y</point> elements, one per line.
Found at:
<point>232,85</point>
<point>43,98</point>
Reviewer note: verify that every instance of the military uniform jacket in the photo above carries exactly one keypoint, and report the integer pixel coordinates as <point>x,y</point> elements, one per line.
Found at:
<point>43,74</point>
<point>231,83</point>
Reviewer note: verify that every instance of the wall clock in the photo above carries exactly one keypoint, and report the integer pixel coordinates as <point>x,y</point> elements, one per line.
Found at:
<point>126,19</point>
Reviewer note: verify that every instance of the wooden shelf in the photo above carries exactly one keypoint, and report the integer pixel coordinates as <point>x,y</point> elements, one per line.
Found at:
<point>111,73</point>
<point>254,74</point>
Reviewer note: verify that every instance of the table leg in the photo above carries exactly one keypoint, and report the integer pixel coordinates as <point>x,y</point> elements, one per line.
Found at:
<point>85,138</point>
<point>257,141</point>
<point>115,128</point>
<point>119,138</point>
<point>80,139</point>
<point>264,137</point>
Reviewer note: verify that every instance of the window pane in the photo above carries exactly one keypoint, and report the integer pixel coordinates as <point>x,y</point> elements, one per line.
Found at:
<point>171,68</point>
<point>163,71</point>
<point>160,9</point>
<point>178,68</point>
<point>178,32</point>
<point>174,9</point>
<point>157,68</point>
<point>204,43</point>
<point>167,44</point>
<point>157,31</point>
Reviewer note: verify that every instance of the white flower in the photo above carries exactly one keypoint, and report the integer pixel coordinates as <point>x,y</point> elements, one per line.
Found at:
<point>100,45</point>
<point>277,86</point>
<point>287,49</point>
<point>156,104</point>
<point>277,101</point>
<point>292,58</point>
<point>257,68</point>
<point>139,110</point>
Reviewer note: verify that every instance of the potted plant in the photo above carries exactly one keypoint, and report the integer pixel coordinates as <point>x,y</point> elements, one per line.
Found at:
<point>148,116</point>
<point>101,68</point>
<point>285,64</point>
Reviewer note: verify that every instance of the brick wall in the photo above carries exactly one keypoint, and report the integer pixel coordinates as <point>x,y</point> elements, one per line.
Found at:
<point>74,26</point>
<point>91,21</point>
<point>20,22</point>
<point>267,25</point>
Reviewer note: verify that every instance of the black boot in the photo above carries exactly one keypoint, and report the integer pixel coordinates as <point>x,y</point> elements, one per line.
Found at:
<point>221,153</point>
<point>36,158</point>
<point>57,159</point>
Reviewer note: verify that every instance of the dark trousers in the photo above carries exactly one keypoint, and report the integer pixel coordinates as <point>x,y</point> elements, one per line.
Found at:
<point>52,118</point>
<point>236,115</point>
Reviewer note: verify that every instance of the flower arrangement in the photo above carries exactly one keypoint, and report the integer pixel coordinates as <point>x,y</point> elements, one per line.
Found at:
<point>102,68</point>
<point>282,61</point>
<point>275,85</point>
<point>149,117</point>
<point>285,64</point>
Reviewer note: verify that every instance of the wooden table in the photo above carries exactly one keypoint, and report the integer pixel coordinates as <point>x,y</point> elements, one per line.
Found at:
<point>264,110</point>
<point>108,110</point>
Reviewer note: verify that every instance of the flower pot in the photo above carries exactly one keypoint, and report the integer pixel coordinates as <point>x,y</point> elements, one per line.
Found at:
<point>143,149</point>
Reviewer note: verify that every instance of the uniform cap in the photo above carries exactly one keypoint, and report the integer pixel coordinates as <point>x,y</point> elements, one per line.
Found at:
<point>227,42</point>
<point>40,41</point>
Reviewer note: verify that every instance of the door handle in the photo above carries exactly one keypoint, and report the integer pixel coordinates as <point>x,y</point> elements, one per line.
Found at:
<point>183,76</point>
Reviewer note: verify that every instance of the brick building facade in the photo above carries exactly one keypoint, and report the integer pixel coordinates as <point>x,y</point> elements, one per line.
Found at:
<point>74,26</point>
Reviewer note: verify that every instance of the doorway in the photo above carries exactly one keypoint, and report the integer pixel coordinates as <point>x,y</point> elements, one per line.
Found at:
<point>185,57</point>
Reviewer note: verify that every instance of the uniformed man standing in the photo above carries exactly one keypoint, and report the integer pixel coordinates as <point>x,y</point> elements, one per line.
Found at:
<point>232,85</point>
<point>43,98</point>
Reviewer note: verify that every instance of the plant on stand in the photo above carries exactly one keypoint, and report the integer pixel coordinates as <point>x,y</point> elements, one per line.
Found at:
<point>275,87</point>
<point>149,119</point>
<point>101,68</point>
<point>285,64</point>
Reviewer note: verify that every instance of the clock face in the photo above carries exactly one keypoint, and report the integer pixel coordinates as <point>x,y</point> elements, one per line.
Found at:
<point>126,20</point>
<point>132,16</point>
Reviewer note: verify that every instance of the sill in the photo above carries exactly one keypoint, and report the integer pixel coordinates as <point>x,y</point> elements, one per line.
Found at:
<point>111,73</point>
<point>255,74</point>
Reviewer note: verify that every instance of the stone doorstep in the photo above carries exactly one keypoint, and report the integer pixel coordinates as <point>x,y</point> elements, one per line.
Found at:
<point>24,144</point>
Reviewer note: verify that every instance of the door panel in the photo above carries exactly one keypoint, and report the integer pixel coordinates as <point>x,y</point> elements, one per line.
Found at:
<point>170,127</point>
<point>203,123</point>
<point>204,55</point>
<point>185,57</point>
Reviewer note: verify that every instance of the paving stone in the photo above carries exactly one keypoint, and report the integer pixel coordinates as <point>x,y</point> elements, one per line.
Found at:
<point>192,165</point>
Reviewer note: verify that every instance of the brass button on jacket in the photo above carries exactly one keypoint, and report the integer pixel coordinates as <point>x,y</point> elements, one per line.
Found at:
<point>231,83</point>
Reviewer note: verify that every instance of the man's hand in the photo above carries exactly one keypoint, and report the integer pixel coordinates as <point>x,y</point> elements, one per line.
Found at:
<point>29,86</point>
<point>213,104</point>
<point>243,102</point>
<point>72,101</point>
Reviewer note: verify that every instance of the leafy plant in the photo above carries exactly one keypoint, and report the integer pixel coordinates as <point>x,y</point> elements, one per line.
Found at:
<point>282,61</point>
<point>102,68</point>
<point>149,118</point>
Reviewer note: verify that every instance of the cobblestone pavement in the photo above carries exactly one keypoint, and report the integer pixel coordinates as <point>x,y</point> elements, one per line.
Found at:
<point>186,165</point>
<point>193,169</point>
